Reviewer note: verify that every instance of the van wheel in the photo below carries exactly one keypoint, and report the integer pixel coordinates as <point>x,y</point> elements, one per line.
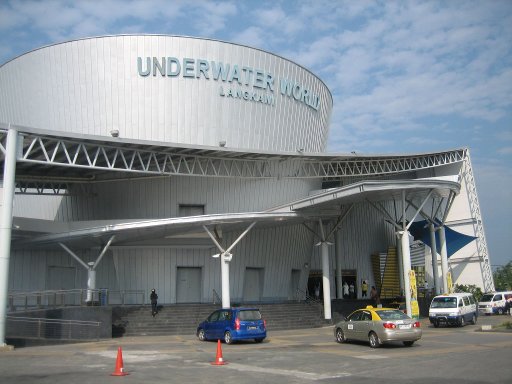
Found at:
<point>500,311</point>
<point>201,335</point>
<point>227,338</point>
<point>436,324</point>
<point>473,319</point>
<point>462,322</point>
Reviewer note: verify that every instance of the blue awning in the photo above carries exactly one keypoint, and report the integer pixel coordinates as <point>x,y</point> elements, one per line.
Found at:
<point>454,240</point>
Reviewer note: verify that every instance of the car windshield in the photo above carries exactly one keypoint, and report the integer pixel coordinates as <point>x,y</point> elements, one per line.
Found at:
<point>250,315</point>
<point>487,298</point>
<point>444,302</point>
<point>392,314</point>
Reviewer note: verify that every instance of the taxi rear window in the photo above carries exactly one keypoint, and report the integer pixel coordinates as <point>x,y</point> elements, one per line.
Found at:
<point>392,314</point>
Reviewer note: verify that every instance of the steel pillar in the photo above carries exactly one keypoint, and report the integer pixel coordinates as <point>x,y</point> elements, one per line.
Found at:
<point>6,225</point>
<point>444,258</point>
<point>326,280</point>
<point>433,251</point>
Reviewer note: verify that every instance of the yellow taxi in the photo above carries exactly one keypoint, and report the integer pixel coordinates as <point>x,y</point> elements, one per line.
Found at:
<point>378,326</point>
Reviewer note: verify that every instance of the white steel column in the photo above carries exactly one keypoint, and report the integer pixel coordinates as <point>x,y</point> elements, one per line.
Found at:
<point>433,251</point>
<point>444,258</point>
<point>326,280</point>
<point>225,259</point>
<point>339,277</point>
<point>406,260</point>
<point>6,225</point>
<point>400,267</point>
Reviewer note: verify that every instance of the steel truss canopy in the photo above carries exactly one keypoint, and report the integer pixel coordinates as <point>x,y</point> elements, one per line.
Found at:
<point>51,160</point>
<point>320,206</point>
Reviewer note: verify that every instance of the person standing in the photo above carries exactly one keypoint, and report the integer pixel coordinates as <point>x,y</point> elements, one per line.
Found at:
<point>154,301</point>
<point>364,288</point>
<point>375,296</point>
<point>345,290</point>
<point>351,290</point>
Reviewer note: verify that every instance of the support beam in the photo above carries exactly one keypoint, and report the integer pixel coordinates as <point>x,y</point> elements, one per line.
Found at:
<point>225,258</point>
<point>6,225</point>
<point>339,277</point>
<point>326,280</point>
<point>406,265</point>
<point>444,258</point>
<point>433,251</point>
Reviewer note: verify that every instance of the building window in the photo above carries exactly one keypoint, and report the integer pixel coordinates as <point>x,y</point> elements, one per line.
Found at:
<point>191,210</point>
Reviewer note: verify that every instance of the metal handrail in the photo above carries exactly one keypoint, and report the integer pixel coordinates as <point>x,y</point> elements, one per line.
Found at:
<point>216,297</point>
<point>44,328</point>
<point>73,297</point>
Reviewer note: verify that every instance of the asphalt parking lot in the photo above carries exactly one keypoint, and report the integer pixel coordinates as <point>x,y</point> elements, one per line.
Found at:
<point>457,355</point>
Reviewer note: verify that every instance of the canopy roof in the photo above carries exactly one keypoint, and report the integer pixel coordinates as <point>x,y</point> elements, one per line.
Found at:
<point>324,205</point>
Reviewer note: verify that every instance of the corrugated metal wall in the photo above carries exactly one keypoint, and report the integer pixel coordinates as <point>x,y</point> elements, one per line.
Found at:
<point>92,86</point>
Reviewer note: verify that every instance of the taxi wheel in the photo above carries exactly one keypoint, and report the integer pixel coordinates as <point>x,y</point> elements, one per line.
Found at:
<point>374,340</point>
<point>340,336</point>
<point>227,338</point>
<point>201,335</point>
<point>408,343</point>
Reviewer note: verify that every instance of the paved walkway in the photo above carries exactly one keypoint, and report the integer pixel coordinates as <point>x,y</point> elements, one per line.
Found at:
<point>286,356</point>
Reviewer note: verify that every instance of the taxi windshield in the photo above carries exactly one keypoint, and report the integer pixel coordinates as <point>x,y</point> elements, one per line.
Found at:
<point>444,302</point>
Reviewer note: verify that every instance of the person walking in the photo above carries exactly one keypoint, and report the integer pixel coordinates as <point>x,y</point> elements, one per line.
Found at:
<point>374,295</point>
<point>154,301</point>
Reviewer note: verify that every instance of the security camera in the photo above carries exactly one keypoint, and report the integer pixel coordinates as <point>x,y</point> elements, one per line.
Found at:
<point>114,132</point>
<point>222,143</point>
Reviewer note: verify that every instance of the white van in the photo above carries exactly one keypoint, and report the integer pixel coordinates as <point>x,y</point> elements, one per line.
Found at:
<point>494,302</point>
<point>453,308</point>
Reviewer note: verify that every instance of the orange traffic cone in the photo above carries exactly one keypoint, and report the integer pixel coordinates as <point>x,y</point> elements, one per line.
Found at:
<point>119,364</point>
<point>219,360</point>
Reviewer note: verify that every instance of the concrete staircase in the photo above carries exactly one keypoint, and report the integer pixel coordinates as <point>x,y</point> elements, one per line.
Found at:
<point>181,319</point>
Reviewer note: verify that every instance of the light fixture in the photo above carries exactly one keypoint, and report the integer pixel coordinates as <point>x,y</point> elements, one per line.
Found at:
<point>114,132</point>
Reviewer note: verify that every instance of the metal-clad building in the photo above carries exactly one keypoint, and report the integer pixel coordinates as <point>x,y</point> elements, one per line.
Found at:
<point>120,133</point>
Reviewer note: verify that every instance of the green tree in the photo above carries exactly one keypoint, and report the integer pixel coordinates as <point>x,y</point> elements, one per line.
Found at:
<point>503,277</point>
<point>473,289</point>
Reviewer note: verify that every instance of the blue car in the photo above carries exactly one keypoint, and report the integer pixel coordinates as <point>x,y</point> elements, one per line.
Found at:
<point>232,324</point>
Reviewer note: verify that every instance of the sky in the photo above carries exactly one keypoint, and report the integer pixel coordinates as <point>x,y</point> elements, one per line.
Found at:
<point>406,76</point>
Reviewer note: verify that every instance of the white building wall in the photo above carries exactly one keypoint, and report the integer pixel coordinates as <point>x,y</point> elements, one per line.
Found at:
<point>92,86</point>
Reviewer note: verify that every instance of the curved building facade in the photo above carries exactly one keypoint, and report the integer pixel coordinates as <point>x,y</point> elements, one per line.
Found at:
<point>170,89</point>
<point>215,101</point>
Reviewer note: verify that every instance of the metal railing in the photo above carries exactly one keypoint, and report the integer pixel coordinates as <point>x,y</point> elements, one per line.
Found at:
<point>216,298</point>
<point>73,297</point>
<point>41,328</point>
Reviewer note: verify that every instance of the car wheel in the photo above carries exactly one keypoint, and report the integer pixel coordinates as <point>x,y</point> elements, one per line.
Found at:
<point>374,340</point>
<point>201,335</point>
<point>340,336</point>
<point>227,338</point>
<point>462,322</point>
<point>408,343</point>
<point>473,319</point>
<point>258,340</point>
